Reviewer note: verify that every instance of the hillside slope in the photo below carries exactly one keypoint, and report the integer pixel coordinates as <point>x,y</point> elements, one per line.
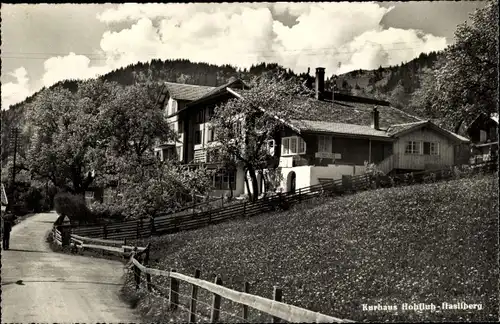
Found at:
<point>395,84</point>
<point>429,243</point>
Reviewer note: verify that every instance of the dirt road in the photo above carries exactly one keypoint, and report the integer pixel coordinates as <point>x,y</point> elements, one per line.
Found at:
<point>57,287</point>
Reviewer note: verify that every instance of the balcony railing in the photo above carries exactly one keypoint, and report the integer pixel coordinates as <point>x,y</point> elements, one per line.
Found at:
<point>200,156</point>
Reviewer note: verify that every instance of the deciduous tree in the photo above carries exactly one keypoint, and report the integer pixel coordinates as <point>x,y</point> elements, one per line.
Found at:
<point>466,83</point>
<point>243,126</point>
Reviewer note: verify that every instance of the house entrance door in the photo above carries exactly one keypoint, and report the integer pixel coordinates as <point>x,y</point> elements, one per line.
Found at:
<point>292,183</point>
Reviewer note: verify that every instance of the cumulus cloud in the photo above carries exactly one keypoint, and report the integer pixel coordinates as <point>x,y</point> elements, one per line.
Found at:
<point>14,92</point>
<point>71,66</point>
<point>345,34</point>
<point>338,36</point>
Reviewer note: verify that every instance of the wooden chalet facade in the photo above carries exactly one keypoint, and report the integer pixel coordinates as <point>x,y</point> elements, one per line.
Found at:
<point>340,137</point>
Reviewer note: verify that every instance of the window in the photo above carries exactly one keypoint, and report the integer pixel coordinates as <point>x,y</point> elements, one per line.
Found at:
<point>211,134</point>
<point>179,151</point>
<point>197,137</point>
<point>199,117</point>
<point>412,147</point>
<point>169,153</point>
<point>286,146</point>
<point>324,143</point>
<point>293,145</point>
<point>211,111</point>
<point>431,148</point>
<point>222,180</point>
<point>482,136</point>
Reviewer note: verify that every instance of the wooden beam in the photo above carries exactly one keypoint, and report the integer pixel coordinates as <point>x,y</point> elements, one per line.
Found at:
<point>369,151</point>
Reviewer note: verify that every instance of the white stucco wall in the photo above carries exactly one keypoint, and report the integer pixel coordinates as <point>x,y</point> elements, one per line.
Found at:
<point>302,177</point>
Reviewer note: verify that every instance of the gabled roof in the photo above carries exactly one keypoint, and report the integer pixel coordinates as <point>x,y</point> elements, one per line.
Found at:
<point>402,129</point>
<point>398,129</point>
<point>339,128</point>
<point>233,83</point>
<point>189,92</point>
<point>347,112</point>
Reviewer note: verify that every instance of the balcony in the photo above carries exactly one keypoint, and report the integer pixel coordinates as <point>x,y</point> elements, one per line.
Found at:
<point>200,156</point>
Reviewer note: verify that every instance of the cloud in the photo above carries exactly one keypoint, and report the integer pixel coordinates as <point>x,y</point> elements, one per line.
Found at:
<point>71,66</point>
<point>325,34</point>
<point>14,92</point>
<point>347,34</point>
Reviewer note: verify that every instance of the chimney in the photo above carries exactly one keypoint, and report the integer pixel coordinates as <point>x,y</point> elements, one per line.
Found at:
<point>320,82</point>
<point>375,118</point>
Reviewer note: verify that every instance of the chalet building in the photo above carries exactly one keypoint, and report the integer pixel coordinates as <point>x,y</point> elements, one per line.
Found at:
<point>483,132</point>
<point>341,135</point>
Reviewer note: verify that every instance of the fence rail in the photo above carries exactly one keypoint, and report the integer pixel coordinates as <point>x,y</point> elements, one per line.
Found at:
<point>274,308</point>
<point>136,229</point>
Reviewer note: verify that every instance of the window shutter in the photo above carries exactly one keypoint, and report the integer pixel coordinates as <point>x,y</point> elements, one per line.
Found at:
<point>427,148</point>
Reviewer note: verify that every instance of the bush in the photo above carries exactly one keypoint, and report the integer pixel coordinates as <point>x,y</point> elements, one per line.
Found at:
<point>32,199</point>
<point>74,207</point>
<point>108,211</point>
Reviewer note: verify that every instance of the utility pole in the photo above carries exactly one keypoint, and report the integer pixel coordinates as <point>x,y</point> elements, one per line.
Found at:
<point>14,135</point>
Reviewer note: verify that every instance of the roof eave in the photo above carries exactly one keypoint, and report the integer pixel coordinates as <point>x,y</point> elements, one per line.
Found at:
<point>349,135</point>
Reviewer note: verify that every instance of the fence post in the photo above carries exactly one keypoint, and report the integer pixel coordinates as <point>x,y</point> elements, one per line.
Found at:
<point>105,231</point>
<point>174,292</point>
<point>194,296</point>
<point>146,262</point>
<point>137,230</point>
<point>277,296</point>
<point>222,201</point>
<point>300,194</point>
<point>153,228</point>
<point>65,235</point>
<point>244,208</point>
<point>216,303</point>
<point>246,289</point>
<point>137,273</point>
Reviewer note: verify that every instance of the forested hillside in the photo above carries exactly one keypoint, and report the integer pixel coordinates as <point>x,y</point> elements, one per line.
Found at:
<point>395,84</point>
<point>181,71</point>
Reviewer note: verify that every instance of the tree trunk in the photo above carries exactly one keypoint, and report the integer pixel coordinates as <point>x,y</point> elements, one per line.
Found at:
<point>231,188</point>
<point>255,184</point>
<point>248,186</point>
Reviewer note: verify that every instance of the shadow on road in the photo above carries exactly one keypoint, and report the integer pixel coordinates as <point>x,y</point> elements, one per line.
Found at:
<point>21,282</point>
<point>21,250</point>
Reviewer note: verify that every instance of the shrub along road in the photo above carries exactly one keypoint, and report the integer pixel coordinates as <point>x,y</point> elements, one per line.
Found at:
<point>57,287</point>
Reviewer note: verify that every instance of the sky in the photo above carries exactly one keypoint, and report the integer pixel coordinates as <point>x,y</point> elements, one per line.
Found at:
<point>45,43</point>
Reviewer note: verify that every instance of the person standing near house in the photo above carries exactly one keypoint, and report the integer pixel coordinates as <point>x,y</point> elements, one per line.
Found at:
<point>6,229</point>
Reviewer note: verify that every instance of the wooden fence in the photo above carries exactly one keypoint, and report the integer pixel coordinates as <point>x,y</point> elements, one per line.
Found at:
<point>182,221</point>
<point>62,236</point>
<point>275,308</point>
